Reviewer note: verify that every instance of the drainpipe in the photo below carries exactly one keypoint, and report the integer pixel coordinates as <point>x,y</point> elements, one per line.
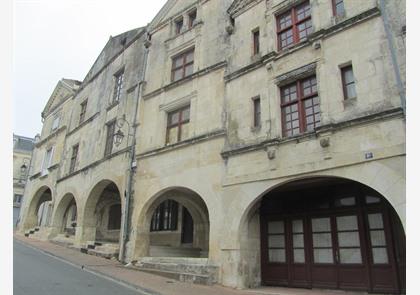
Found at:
<point>397,73</point>
<point>132,160</point>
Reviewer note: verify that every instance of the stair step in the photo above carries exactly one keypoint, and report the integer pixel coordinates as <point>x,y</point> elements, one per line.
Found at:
<point>183,277</point>
<point>165,251</point>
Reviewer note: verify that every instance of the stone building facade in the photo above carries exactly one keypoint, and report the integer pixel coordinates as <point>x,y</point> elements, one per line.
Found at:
<point>255,143</point>
<point>22,153</point>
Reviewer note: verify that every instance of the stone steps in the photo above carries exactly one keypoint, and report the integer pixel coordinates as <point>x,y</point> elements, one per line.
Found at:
<point>106,250</point>
<point>192,270</point>
<point>166,251</point>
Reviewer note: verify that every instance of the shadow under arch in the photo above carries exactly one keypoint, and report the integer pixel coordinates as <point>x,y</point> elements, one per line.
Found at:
<point>193,203</point>
<point>62,215</point>
<point>98,221</point>
<point>297,199</point>
<point>42,196</point>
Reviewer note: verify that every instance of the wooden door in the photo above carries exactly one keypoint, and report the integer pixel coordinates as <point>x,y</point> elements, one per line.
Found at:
<point>187,233</point>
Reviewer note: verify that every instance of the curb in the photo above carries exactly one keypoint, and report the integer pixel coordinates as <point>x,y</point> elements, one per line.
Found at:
<point>122,282</point>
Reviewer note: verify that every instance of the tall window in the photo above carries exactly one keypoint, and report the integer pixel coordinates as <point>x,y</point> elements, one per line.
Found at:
<point>338,7</point>
<point>47,161</point>
<point>257,111</point>
<point>55,123</point>
<point>294,25</point>
<point>73,158</point>
<point>17,199</point>
<point>349,85</point>
<point>109,138</point>
<point>182,65</point>
<point>165,216</point>
<point>191,18</point>
<point>256,41</point>
<point>300,106</point>
<point>119,79</point>
<point>178,122</point>
<point>178,25</point>
<point>83,107</point>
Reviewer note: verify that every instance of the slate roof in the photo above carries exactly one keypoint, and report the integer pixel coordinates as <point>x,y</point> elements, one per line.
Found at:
<point>23,143</point>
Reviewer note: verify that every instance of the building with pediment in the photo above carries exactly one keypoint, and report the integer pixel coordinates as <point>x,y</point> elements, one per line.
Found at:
<point>243,143</point>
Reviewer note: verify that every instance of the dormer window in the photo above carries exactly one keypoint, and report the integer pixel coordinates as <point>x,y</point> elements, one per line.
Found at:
<point>178,25</point>
<point>191,18</point>
<point>119,79</point>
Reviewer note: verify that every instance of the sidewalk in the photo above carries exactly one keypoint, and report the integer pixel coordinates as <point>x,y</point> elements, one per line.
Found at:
<point>154,284</point>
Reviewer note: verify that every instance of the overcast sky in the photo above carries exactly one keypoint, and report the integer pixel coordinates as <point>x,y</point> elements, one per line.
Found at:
<point>56,39</point>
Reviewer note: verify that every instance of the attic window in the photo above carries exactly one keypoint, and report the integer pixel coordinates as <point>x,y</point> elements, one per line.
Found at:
<point>178,25</point>
<point>192,16</point>
<point>55,123</point>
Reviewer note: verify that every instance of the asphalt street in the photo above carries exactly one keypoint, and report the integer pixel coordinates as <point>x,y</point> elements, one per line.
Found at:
<point>36,273</point>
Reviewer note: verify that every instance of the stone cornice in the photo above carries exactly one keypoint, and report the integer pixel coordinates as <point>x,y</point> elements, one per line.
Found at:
<point>327,128</point>
<point>82,124</point>
<point>185,79</point>
<point>181,144</point>
<point>56,132</point>
<point>96,163</point>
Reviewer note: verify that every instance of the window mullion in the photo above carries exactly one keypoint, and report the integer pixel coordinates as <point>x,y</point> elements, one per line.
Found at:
<point>302,127</point>
<point>294,25</point>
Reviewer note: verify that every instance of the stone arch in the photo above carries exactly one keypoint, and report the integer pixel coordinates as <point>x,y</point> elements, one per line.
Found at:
<point>61,209</point>
<point>41,196</point>
<point>102,195</point>
<point>375,176</point>
<point>188,199</point>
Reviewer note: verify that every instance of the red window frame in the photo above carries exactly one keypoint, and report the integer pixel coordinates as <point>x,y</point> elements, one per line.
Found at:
<point>184,64</point>
<point>178,124</point>
<point>335,4</point>
<point>291,24</point>
<point>301,98</point>
<point>256,41</point>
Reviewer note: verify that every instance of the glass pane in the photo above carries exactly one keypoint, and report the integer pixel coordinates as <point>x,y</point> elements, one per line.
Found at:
<point>276,255</point>
<point>321,224</point>
<point>322,240</point>
<point>347,223</point>
<point>186,114</point>
<point>173,135</point>
<point>375,221</point>
<point>350,255</point>
<point>189,57</point>
<point>323,256</point>
<point>377,238</point>
<point>178,62</point>
<point>298,255</point>
<point>348,239</point>
<point>298,241</point>
<point>349,201</point>
<point>174,118</point>
<point>275,227</point>
<point>348,75</point>
<point>185,129</point>
<point>351,90</point>
<point>189,69</point>
<point>276,241</point>
<point>297,226</point>
<point>372,200</point>
<point>379,255</point>
<point>178,74</point>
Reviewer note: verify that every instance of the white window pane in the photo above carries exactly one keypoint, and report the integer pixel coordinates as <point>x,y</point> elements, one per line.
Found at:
<point>379,255</point>
<point>298,240</point>
<point>323,256</point>
<point>276,255</point>
<point>276,241</point>
<point>189,70</point>
<point>348,239</point>
<point>321,224</point>
<point>298,255</point>
<point>351,90</point>
<point>173,135</point>
<point>297,226</point>
<point>372,200</point>
<point>349,201</point>
<point>347,223</point>
<point>350,255</point>
<point>322,240</point>
<point>185,131</point>
<point>275,227</point>
<point>377,238</point>
<point>375,221</point>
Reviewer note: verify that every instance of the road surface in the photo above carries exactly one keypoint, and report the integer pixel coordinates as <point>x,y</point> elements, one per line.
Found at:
<point>36,273</point>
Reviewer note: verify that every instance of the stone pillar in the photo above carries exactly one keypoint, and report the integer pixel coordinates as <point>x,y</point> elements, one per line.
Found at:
<point>84,234</point>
